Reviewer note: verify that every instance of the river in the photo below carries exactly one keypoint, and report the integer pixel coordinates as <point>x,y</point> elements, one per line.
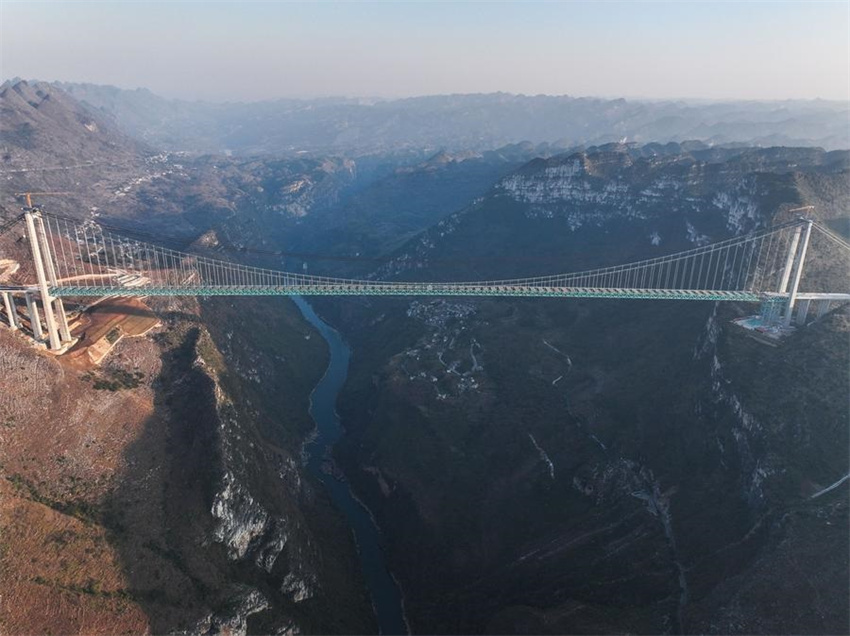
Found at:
<point>386,595</point>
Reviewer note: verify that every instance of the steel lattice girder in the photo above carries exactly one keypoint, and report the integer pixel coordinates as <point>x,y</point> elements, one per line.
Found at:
<point>434,289</point>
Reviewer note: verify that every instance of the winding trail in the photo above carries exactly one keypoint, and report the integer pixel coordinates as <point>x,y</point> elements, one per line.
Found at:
<point>832,487</point>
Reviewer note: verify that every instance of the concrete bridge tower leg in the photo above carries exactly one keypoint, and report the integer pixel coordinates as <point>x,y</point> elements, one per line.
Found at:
<point>64,331</point>
<point>35,321</point>
<point>46,300</point>
<point>802,312</point>
<point>10,311</point>
<point>798,274</point>
<point>789,261</point>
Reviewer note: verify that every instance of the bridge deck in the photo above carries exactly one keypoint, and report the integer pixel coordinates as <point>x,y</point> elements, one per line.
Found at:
<point>409,289</point>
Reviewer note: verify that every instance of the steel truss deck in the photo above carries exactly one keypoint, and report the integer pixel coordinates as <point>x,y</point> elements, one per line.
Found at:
<point>410,289</point>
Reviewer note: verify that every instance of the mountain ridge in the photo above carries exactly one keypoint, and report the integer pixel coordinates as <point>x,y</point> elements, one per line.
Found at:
<point>460,121</point>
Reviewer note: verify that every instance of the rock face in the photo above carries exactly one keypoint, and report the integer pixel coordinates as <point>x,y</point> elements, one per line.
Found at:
<point>617,466</point>
<point>280,542</point>
<point>232,620</point>
<point>590,189</point>
<point>242,524</point>
<point>240,519</point>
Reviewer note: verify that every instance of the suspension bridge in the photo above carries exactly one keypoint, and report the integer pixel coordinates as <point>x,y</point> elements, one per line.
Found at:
<point>73,259</point>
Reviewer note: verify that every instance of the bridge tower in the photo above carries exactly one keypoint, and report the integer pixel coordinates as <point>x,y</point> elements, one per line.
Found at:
<point>794,263</point>
<point>54,311</point>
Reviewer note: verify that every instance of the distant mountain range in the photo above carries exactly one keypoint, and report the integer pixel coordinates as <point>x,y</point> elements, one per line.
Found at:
<point>455,122</point>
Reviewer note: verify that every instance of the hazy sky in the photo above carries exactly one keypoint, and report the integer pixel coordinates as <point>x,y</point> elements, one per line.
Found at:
<point>263,50</point>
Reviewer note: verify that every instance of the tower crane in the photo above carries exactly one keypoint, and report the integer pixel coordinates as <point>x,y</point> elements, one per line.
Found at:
<point>29,195</point>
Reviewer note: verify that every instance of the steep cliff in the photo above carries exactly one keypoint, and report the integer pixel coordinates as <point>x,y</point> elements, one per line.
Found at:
<point>167,503</point>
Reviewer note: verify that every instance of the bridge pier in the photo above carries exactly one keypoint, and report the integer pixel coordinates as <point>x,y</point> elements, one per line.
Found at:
<point>823,308</point>
<point>35,321</point>
<point>771,311</point>
<point>64,330</point>
<point>802,312</point>
<point>11,312</point>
